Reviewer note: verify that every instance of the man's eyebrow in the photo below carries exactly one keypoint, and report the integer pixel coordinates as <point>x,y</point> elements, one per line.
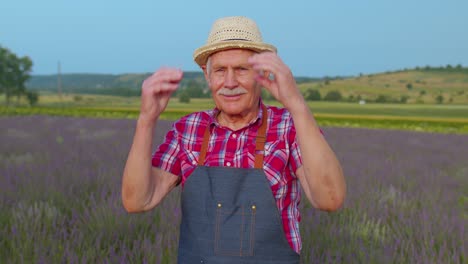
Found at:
<point>245,64</point>
<point>218,66</point>
<point>242,65</point>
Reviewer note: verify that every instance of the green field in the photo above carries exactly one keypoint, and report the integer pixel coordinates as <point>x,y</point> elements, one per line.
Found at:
<point>440,118</point>
<point>445,111</point>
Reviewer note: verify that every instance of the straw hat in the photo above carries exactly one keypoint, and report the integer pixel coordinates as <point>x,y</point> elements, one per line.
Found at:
<point>231,33</point>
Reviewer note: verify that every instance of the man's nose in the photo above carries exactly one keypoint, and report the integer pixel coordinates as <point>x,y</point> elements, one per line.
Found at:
<point>230,80</point>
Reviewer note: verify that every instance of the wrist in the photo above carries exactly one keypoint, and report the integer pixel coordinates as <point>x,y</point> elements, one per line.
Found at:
<point>298,106</point>
<point>146,122</point>
<point>302,114</point>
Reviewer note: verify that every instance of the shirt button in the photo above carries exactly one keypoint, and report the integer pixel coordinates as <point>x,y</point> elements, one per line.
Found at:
<point>194,162</point>
<point>234,135</point>
<point>228,164</point>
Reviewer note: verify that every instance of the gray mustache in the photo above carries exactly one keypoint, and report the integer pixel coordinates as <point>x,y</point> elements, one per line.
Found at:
<point>230,92</point>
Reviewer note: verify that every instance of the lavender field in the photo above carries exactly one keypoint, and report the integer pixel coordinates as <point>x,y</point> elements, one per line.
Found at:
<point>60,197</point>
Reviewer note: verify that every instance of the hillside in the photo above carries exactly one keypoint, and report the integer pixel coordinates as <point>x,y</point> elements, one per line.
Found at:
<point>96,83</point>
<point>419,85</point>
<point>416,85</point>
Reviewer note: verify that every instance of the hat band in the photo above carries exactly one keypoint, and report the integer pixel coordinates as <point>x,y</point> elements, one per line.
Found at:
<point>237,39</point>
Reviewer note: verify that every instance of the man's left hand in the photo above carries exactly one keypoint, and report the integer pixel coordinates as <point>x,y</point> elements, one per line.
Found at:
<point>282,85</point>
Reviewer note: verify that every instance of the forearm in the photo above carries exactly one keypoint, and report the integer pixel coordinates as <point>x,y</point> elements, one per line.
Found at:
<point>323,178</point>
<point>137,183</point>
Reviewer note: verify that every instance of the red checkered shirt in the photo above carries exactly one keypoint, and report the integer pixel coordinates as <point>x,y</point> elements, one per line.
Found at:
<point>178,154</point>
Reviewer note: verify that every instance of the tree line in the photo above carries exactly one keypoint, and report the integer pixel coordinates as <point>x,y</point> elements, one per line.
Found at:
<point>336,96</point>
<point>14,72</point>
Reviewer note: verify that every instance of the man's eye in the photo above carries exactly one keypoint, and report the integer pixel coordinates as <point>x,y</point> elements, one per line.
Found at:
<point>242,70</point>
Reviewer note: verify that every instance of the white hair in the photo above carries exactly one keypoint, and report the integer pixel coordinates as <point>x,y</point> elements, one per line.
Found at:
<point>208,65</point>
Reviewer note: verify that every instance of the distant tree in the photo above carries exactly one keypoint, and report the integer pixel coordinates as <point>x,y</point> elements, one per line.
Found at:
<point>382,99</point>
<point>404,99</point>
<point>333,96</point>
<point>409,86</point>
<point>266,95</point>
<point>440,99</point>
<point>194,89</point>
<point>14,72</point>
<point>422,92</point>
<point>313,95</point>
<point>184,97</point>
<point>32,97</point>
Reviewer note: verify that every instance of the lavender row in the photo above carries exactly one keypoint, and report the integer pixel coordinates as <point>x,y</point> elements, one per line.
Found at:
<point>60,197</point>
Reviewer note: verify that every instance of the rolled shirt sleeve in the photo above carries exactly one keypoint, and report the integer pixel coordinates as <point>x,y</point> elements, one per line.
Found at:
<point>166,155</point>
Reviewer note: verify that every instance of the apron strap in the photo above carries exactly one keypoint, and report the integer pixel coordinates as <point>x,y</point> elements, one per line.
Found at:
<point>259,142</point>
<point>261,139</point>
<point>204,147</point>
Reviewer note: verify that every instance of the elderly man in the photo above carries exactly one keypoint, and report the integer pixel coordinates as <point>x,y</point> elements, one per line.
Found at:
<point>241,164</point>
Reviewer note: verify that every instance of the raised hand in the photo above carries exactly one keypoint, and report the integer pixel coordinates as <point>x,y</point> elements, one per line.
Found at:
<point>156,92</point>
<point>283,85</point>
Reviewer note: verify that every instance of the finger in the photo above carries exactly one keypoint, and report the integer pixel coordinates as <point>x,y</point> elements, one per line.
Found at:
<point>161,89</point>
<point>169,74</point>
<point>266,58</point>
<point>280,72</point>
<point>161,80</point>
<point>266,65</point>
<point>264,81</point>
<point>165,75</point>
<point>166,70</point>
<point>168,87</point>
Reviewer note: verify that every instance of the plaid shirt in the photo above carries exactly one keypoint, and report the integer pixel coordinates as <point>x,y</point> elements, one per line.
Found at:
<point>178,154</point>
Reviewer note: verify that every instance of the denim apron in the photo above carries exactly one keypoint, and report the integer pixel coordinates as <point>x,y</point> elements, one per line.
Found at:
<point>229,215</point>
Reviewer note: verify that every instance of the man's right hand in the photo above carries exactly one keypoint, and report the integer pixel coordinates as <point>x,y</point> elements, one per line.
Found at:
<point>143,186</point>
<point>156,92</point>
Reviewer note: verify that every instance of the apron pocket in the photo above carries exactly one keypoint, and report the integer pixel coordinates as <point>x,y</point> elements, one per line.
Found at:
<point>234,230</point>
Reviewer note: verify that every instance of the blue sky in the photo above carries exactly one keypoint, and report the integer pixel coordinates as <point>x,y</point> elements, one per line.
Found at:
<point>315,38</point>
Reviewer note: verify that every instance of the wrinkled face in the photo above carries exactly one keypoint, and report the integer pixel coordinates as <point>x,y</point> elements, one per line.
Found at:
<point>232,82</point>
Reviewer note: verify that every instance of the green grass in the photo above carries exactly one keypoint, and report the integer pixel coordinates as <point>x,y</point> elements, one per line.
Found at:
<point>395,110</point>
<point>132,104</point>
<point>440,118</point>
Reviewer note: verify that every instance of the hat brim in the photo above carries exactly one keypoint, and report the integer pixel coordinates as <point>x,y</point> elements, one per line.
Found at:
<point>200,56</point>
